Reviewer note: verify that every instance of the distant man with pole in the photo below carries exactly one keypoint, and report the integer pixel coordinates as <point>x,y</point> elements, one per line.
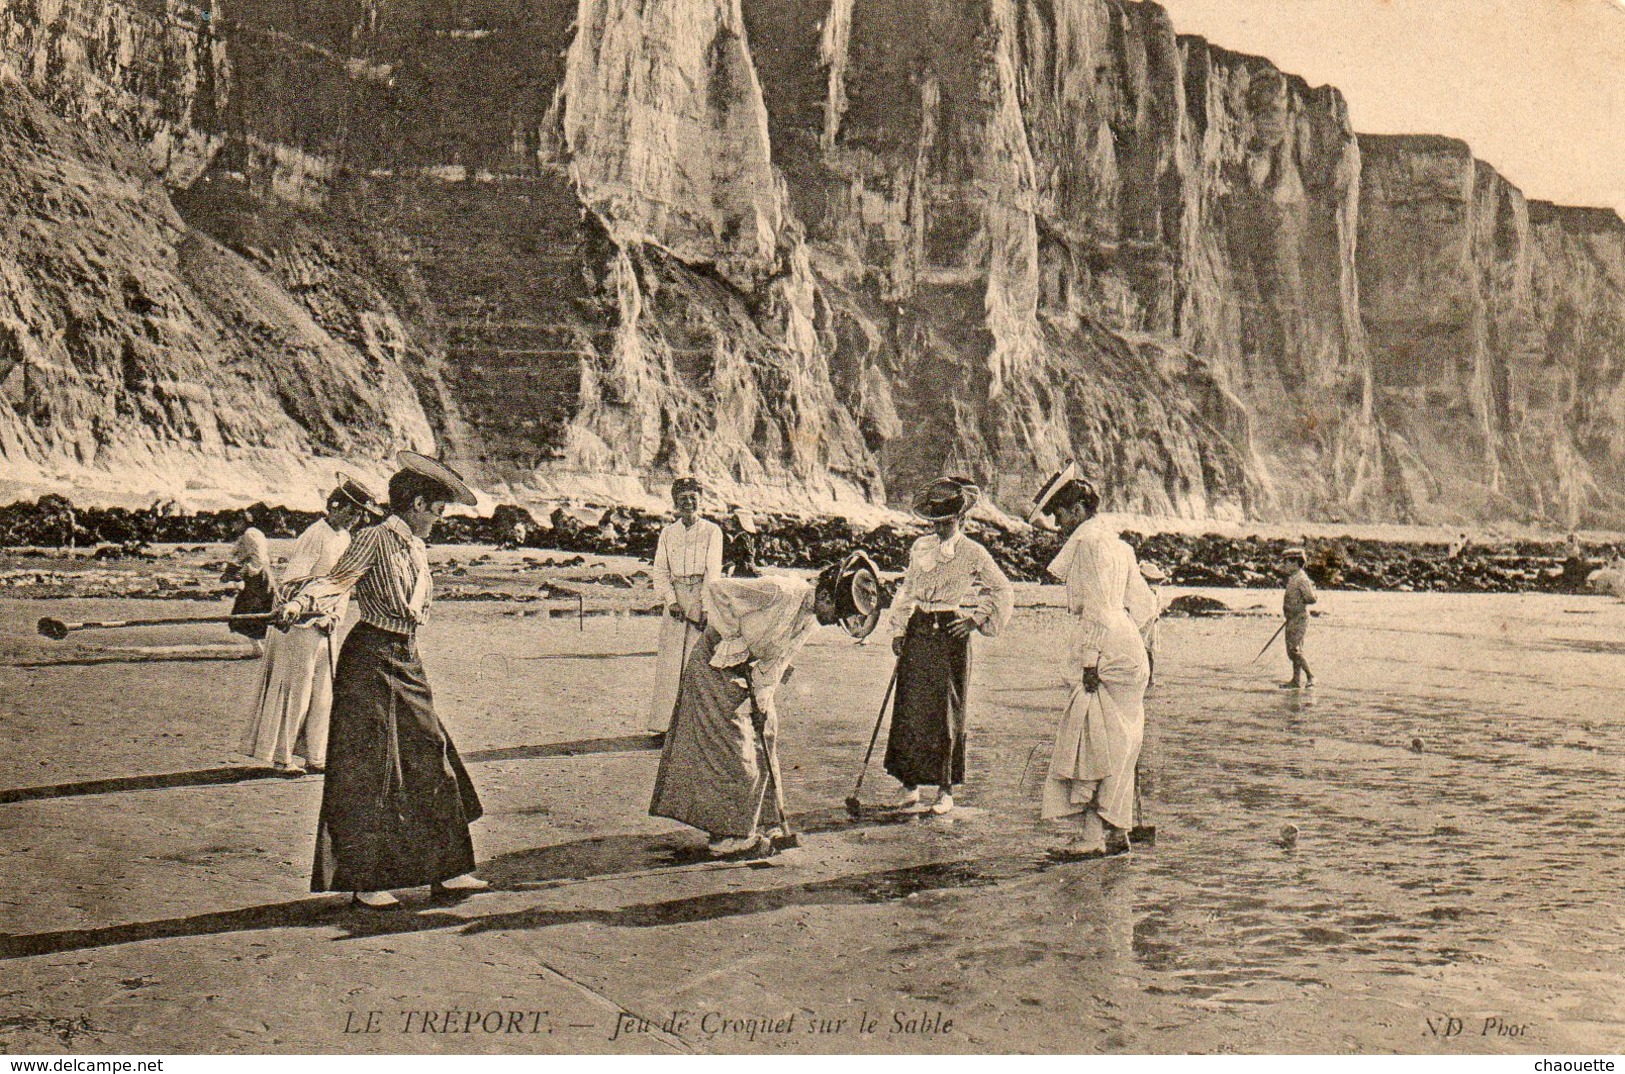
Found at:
<point>1092,775</point>
<point>1295,601</point>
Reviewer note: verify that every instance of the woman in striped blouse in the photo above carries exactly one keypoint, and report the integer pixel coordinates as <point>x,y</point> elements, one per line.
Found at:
<point>397,800</point>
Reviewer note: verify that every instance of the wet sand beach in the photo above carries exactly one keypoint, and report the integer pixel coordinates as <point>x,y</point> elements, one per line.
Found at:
<point>1454,885</point>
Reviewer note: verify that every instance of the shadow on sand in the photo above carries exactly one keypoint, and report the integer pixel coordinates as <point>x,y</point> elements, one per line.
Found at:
<point>605,858</point>
<point>207,777</point>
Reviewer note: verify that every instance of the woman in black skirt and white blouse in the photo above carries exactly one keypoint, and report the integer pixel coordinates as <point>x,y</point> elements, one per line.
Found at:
<point>952,588</point>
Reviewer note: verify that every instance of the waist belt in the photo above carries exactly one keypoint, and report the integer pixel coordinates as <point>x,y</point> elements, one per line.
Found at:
<point>687,579</point>
<point>933,622</point>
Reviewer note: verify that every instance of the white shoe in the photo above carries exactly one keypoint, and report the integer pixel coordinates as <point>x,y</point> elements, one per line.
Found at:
<point>466,882</point>
<point>910,801</point>
<point>943,804</point>
<point>723,847</point>
<point>376,900</point>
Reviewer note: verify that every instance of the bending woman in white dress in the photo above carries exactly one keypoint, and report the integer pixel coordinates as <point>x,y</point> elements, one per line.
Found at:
<point>295,696</point>
<point>1091,780</point>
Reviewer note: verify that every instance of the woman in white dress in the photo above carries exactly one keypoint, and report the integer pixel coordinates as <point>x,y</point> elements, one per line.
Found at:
<point>295,695</point>
<point>688,555</point>
<point>1091,782</point>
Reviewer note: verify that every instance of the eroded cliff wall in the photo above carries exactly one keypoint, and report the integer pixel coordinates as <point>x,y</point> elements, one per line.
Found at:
<point>816,250</point>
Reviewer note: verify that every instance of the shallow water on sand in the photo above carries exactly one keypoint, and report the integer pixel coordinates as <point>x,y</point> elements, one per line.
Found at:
<point>1453,779</point>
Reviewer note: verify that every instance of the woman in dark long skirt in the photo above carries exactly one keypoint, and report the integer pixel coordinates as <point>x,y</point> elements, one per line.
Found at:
<point>397,800</point>
<point>952,588</point>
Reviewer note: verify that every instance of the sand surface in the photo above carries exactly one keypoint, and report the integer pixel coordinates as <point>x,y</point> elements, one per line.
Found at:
<point>156,896</point>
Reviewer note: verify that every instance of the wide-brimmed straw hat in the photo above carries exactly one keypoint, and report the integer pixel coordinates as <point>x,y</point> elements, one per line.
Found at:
<point>853,585</point>
<point>946,497</point>
<point>354,491</point>
<point>1151,572</point>
<point>746,520</point>
<point>456,488</point>
<point>1063,479</point>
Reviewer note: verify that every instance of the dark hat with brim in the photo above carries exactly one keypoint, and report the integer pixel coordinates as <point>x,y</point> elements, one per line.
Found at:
<point>853,585</point>
<point>946,497</point>
<point>353,491</point>
<point>687,484</point>
<point>457,490</point>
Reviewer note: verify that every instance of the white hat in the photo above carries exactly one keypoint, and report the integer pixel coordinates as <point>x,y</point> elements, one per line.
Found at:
<point>1060,480</point>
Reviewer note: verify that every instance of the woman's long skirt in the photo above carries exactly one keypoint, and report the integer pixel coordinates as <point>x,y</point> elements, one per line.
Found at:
<point>677,640</point>
<point>712,774</point>
<point>295,698</point>
<point>926,744</point>
<point>1097,746</point>
<point>397,801</point>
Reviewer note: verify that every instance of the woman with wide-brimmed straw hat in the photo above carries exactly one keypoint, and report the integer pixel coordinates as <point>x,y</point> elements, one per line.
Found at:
<point>397,800</point>
<point>1091,784</point>
<point>721,755</point>
<point>951,589</point>
<point>688,555</point>
<point>296,687</point>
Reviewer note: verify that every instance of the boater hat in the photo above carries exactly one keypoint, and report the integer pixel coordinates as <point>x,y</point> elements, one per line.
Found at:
<point>1296,554</point>
<point>1063,479</point>
<point>946,497</point>
<point>1152,573</point>
<point>351,490</point>
<point>450,480</point>
<point>853,584</point>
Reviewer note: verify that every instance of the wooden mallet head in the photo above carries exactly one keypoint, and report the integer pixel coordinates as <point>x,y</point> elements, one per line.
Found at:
<point>55,629</point>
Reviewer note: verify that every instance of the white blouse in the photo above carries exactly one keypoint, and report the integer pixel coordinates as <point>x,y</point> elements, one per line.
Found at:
<point>1104,587</point>
<point>765,621</point>
<point>686,552</point>
<point>952,576</point>
<point>315,554</point>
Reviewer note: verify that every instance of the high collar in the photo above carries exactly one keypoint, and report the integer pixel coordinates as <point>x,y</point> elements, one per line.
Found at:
<point>934,551</point>
<point>397,525</point>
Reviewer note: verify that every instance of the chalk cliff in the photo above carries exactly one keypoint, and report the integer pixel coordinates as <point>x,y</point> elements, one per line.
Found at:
<point>816,250</point>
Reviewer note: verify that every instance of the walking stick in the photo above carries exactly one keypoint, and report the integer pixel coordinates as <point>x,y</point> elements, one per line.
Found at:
<point>1267,644</point>
<point>56,629</point>
<point>854,805</point>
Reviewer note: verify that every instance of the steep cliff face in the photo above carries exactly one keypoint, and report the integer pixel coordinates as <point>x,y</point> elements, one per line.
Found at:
<point>1496,328</point>
<point>817,250</point>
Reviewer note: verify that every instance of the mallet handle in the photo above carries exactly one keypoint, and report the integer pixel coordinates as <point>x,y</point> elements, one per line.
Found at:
<point>170,621</point>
